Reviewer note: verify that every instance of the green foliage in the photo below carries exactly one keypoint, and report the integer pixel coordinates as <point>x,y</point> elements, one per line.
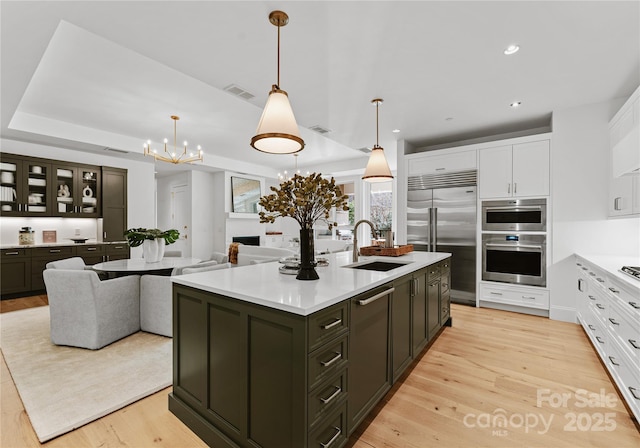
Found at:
<point>305,199</point>
<point>135,237</point>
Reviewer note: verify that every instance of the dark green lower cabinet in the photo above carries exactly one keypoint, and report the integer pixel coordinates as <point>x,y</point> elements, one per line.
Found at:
<point>401,325</point>
<point>369,352</point>
<point>248,376</point>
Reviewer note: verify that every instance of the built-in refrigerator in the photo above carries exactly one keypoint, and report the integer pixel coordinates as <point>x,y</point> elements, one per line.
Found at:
<point>441,217</point>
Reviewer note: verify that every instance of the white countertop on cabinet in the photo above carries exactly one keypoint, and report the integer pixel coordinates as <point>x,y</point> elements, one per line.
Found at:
<point>262,284</point>
<point>612,264</point>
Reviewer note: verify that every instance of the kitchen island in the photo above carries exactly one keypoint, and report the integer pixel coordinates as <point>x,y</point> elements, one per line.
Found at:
<point>264,360</point>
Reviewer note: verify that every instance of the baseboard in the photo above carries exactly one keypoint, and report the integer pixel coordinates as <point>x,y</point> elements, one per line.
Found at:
<point>563,313</point>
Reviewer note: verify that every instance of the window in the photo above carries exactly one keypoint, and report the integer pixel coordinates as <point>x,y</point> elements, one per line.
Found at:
<point>381,205</point>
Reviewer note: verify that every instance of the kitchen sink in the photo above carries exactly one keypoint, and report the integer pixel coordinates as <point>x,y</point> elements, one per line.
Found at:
<point>381,266</point>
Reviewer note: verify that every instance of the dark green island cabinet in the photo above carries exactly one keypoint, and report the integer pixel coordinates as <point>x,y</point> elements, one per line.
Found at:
<point>247,374</point>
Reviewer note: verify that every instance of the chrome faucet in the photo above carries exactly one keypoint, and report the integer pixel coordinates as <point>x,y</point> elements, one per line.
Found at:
<point>355,236</point>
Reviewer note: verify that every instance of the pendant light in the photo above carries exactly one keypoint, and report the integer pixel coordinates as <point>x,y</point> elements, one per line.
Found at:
<point>377,168</point>
<point>277,131</point>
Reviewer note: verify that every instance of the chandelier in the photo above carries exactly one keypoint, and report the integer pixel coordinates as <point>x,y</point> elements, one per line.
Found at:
<point>277,131</point>
<point>174,156</point>
<point>285,174</point>
<point>377,168</point>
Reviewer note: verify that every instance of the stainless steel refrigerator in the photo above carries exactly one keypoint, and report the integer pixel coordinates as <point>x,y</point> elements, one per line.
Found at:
<point>441,217</point>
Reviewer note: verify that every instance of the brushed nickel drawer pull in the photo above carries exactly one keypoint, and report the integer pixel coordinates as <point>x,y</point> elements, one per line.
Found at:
<point>591,327</point>
<point>332,324</point>
<point>333,360</point>
<point>635,305</point>
<point>376,297</point>
<point>634,344</point>
<point>333,439</point>
<point>612,359</point>
<point>592,298</point>
<point>92,248</point>
<point>54,251</point>
<point>599,340</point>
<point>600,307</point>
<point>118,247</point>
<point>12,253</point>
<point>600,280</point>
<point>529,297</point>
<point>633,392</point>
<point>612,320</point>
<point>614,290</point>
<point>335,393</point>
<point>495,293</point>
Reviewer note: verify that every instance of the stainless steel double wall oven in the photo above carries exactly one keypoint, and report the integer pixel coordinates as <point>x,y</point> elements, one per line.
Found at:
<point>514,241</point>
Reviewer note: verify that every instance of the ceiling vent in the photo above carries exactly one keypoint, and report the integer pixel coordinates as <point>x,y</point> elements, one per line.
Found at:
<point>116,150</point>
<point>364,149</point>
<point>319,129</point>
<point>238,91</point>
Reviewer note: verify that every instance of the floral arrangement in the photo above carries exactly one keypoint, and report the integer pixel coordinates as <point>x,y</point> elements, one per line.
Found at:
<point>305,199</point>
<point>135,237</point>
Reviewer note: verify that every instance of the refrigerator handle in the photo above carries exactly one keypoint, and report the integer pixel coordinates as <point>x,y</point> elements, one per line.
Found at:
<point>434,225</point>
<point>429,221</point>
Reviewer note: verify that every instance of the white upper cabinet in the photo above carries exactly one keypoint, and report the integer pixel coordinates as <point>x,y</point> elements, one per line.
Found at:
<point>624,138</point>
<point>520,170</point>
<point>426,163</point>
<point>624,159</point>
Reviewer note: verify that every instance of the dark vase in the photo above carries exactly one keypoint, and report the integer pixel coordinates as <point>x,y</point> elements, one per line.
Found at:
<point>307,269</point>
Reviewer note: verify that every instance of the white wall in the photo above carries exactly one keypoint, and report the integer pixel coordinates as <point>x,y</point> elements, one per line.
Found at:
<point>140,194</point>
<point>580,161</point>
<point>202,214</point>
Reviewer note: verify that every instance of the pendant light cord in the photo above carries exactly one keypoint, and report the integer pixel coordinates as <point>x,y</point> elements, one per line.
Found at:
<point>377,106</point>
<point>278,77</point>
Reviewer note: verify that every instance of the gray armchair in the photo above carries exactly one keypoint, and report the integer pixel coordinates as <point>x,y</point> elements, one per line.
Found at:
<point>73,263</point>
<point>89,313</point>
<point>156,295</point>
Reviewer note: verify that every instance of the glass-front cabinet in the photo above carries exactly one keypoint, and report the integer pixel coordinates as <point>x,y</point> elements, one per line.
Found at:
<point>24,187</point>
<point>77,190</point>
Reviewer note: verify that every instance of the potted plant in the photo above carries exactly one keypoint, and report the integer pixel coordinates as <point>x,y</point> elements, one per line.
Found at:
<point>307,200</point>
<point>152,241</point>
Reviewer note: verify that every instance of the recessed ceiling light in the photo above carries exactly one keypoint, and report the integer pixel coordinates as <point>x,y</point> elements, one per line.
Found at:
<point>511,49</point>
<point>448,119</point>
<point>515,104</point>
<point>395,131</point>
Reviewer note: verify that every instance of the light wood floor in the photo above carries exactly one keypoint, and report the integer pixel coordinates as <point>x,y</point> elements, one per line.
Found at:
<point>489,363</point>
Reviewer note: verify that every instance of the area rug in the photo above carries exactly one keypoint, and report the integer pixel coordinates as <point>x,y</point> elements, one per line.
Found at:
<point>63,388</point>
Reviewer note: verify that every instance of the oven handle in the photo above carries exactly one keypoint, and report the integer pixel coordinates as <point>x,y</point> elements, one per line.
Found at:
<point>515,208</point>
<point>515,246</point>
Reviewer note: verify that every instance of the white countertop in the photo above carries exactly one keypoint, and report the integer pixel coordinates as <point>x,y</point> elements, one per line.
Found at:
<point>612,265</point>
<point>262,284</point>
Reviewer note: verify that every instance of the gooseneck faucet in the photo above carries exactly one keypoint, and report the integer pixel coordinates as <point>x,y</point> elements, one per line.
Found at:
<point>355,236</point>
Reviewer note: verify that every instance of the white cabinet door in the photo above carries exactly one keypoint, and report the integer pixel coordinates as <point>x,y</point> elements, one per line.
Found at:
<point>531,169</point>
<point>441,163</point>
<point>494,176</point>
<point>620,196</point>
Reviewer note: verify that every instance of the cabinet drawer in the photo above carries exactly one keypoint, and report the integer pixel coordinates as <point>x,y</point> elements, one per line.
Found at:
<point>626,375</point>
<point>433,272</point>
<point>58,251</point>
<point>327,360</point>
<point>625,329</point>
<point>94,249</point>
<point>331,433</point>
<point>445,303</point>
<point>326,396</point>
<point>9,254</point>
<point>441,163</point>
<point>326,324</point>
<point>529,297</point>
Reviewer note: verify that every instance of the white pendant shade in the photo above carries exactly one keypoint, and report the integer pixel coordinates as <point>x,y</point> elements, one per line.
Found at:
<point>277,131</point>
<point>377,168</point>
